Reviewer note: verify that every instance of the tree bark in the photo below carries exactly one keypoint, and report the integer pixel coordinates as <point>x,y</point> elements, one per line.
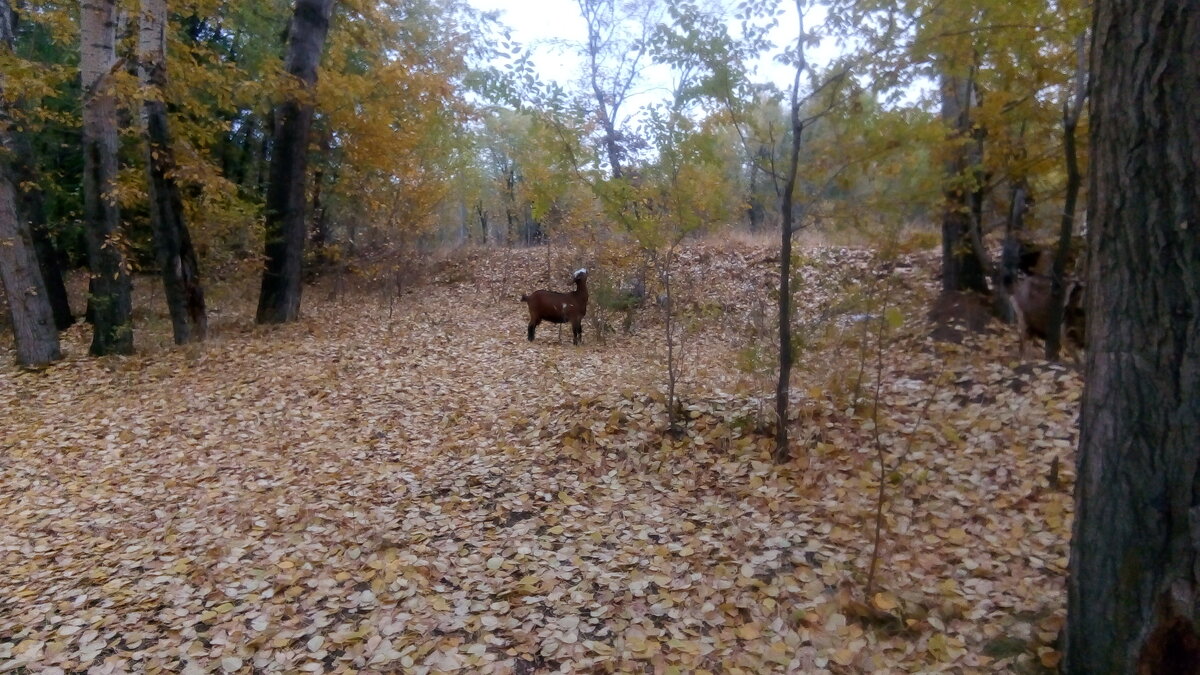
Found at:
<point>172,242</point>
<point>28,305</point>
<point>110,302</point>
<point>279,300</point>
<point>962,269</point>
<point>1134,587</point>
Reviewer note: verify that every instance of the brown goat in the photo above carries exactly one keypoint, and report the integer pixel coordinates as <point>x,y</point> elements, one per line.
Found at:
<point>560,307</point>
<point>1030,295</point>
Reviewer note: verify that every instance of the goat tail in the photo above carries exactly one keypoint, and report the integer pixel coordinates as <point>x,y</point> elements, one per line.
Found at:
<point>525,298</point>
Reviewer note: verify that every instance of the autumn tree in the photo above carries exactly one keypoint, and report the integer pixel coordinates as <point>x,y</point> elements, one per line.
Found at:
<point>172,241</point>
<point>110,301</point>
<point>962,255</point>
<point>279,299</point>
<point>998,68</point>
<point>615,56</point>
<point>28,303</point>
<point>1133,585</point>
<point>1072,107</point>
<point>392,120</point>
<point>26,112</point>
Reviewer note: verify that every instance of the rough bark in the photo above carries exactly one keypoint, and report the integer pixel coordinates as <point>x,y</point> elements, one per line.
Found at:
<point>109,303</point>
<point>962,269</point>
<point>177,260</point>
<point>279,300</point>
<point>1134,587</point>
<point>1058,286</point>
<point>28,305</point>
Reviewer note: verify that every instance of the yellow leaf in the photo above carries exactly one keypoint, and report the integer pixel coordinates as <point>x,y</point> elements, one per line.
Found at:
<point>885,601</point>
<point>1050,658</point>
<point>749,631</point>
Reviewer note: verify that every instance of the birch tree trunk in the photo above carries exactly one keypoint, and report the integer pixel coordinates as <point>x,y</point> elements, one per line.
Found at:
<point>172,241</point>
<point>110,302</point>
<point>279,300</point>
<point>1134,587</point>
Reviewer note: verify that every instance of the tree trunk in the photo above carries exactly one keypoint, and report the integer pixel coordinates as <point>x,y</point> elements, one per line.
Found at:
<point>48,262</point>
<point>110,302</point>
<point>754,209</point>
<point>1005,274</point>
<point>279,300</point>
<point>319,238</point>
<point>510,204</point>
<point>672,409</point>
<point>172,242</point>
<point>29,203</point>
<point>28,305</point>
<point>1058,285</point>
<point>962,269</point>
<point>783,451</point>
<point>1134,587</point>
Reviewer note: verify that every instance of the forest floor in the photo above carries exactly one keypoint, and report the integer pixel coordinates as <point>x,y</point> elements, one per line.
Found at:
<point>415,487</point>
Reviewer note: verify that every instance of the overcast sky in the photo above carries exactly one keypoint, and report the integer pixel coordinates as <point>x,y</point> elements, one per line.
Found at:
<point>540,23</point>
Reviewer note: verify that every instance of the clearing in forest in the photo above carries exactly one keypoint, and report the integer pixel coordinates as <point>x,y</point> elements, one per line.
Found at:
<point>429,492</point>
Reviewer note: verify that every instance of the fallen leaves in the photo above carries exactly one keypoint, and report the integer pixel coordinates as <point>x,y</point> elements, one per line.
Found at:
<point>434,493</point>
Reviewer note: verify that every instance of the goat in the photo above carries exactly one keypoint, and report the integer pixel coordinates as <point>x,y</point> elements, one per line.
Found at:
<point>560,307</point>
<point>1030,296</point>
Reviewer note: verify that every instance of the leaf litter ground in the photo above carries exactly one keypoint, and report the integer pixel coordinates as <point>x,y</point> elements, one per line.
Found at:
<point>429,492</point>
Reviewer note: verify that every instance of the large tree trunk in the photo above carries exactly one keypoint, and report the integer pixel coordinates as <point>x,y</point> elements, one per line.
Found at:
<point>28,305</point>
<point>279,300</point>
<point>1134,588</point>
<point>962,269</point>
<point>110,303</point>
<point>29,203</point>
<point>172,242</point>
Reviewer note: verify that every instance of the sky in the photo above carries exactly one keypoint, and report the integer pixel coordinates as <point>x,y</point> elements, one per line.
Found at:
<point>544,24</point>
